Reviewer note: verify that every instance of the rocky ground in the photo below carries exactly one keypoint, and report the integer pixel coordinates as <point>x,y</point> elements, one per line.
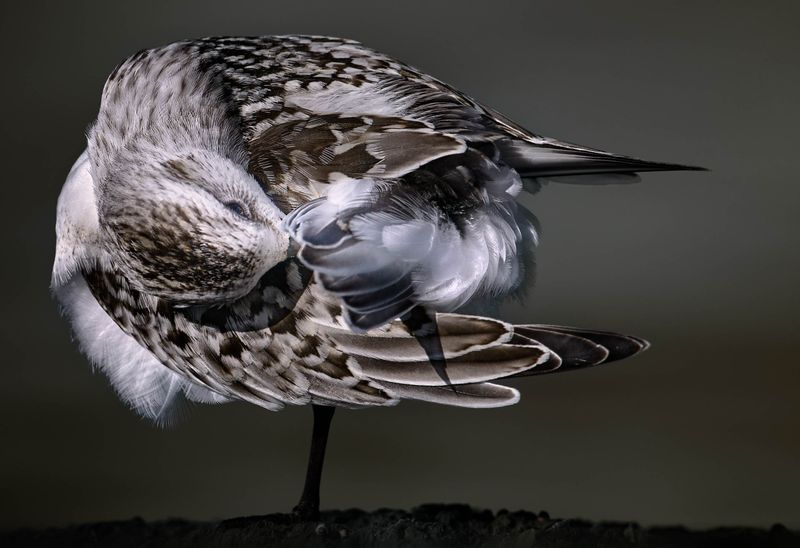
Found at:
<point>429,525</point>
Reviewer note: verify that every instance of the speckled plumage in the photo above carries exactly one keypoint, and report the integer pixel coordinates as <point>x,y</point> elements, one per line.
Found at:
<point>213,162</point>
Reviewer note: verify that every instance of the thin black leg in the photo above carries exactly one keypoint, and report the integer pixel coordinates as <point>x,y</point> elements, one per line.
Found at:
<point>308,507</point>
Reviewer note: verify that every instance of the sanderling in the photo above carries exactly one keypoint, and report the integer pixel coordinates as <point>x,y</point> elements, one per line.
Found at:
<point>298,220</point>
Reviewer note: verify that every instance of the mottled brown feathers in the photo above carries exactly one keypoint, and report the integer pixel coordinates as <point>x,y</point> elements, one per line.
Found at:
<point>214,161</point>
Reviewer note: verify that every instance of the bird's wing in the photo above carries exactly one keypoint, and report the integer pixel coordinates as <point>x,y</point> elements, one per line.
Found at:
<point>273,80</point>
<point>299,159</point>
<point>474,351</point>
<point>285,343</point>
<point>401,190</point>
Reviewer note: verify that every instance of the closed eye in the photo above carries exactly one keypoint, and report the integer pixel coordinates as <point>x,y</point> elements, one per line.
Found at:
<point>238,208</point>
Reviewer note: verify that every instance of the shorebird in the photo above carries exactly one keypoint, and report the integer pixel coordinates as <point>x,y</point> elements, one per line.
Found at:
<point>293,220</point>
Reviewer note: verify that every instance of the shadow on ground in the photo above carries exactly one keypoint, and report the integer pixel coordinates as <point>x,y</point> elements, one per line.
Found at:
<point>429,525</point>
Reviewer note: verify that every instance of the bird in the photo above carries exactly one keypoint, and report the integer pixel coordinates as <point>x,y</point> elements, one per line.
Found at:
<point>302,220</point>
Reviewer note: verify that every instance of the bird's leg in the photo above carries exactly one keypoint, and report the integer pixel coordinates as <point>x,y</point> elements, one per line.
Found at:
<point>308,507</point>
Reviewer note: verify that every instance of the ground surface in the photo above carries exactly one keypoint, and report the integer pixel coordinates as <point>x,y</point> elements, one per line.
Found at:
<point>429,525</point>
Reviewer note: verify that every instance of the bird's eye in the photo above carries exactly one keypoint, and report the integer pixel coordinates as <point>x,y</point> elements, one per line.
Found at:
<point>238,207</point>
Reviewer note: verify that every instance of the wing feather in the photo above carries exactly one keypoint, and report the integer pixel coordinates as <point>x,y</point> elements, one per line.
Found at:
<point>431,175</point>
<point>483,395</point>
<point>474,351</point>
<point>580,348</point>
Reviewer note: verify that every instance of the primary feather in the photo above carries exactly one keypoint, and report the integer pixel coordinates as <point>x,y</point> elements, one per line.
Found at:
<point>214,162</point>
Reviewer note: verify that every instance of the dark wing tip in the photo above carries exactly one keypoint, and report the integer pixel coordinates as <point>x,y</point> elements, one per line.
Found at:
<point>580,348</point>
<point>619,346</point>
<point>662,166</point>
<point>553,158</point>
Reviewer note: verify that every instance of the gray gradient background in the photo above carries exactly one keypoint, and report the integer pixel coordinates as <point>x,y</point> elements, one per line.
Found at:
<point>702,429</point>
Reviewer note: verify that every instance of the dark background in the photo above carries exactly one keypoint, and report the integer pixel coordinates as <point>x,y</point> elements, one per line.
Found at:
<point>702,429</point>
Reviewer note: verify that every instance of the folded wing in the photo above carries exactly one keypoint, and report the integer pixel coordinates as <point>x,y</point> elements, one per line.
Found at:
<point>400,189</point>
<point>476,353</point>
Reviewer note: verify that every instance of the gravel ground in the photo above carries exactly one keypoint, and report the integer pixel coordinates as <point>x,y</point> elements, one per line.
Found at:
<point>429,525</point>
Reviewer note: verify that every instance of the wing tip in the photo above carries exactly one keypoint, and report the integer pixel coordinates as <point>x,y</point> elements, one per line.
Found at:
<point>552,158</point>
<point>665,166</point>
<point>617,346</point>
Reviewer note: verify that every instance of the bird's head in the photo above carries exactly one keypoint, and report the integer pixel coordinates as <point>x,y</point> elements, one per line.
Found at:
<point>191,227</point>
